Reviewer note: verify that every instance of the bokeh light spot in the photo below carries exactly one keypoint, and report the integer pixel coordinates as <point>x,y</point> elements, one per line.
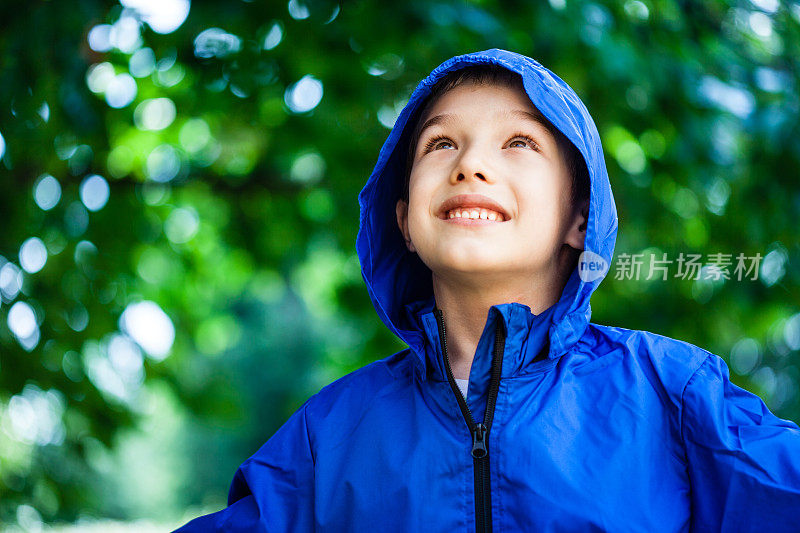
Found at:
<point>77,317</point>
<point>791,332</point>
<point>121,90</point>
<point>181,225</point>
<point>10,279</point>
<point>36,417</point>
<point>387,114</point>
<point>147,324</point>
<point>194,135</point>
<point>71,366</point>
<point>216,42</point>
<point>154,266</point>
<point>85,252</point>
<point>388,66</point>
<point>730,97</point>
<point>142,63</point>
<point>745,356</point>
<point>99,38</point>
<point>46,192</point>
<point>308,168</point>
<point>99,76</point>
<point>717,196</point>
<point>126,358</point>
<point>636,10</point>
<point>76,219</point>
<point>32,255</point>
<point>167,76</point>
<point>304,95</point>
<point>94,192</point>
<point>761,25</point>
<point>298,10</point>
<point>274,36</point>
<point>22,323</point>
<point>163,163</point>
<point>773,267</point>
<point>44,111</point>
<point>163,16</point>
<point>124,34</point>
<point>154,114</point>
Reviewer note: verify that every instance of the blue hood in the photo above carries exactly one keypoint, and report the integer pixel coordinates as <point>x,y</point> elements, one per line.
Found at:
<point>399,283</point>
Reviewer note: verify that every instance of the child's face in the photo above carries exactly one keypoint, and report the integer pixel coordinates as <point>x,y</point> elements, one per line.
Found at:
<point>483,154</point>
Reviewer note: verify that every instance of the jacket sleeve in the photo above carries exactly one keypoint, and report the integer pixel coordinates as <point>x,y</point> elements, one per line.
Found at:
<point>743,461</point>
<point>271,491</point>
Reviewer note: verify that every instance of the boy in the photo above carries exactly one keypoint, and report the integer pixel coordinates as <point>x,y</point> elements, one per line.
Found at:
<point>470,226</point>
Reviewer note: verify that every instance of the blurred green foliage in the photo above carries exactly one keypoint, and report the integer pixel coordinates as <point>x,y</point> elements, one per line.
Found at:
<point>179,203</point>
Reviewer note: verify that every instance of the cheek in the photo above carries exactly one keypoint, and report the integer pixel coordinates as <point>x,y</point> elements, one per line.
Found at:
<point>541,201</point>
<point>415,212</point>
<point>543,211</point>
<point>419,195</point>
<point>417,182</point>
<point>418,221</point>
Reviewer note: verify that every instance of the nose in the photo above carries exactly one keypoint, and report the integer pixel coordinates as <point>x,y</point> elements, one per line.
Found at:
<point>470,166</point>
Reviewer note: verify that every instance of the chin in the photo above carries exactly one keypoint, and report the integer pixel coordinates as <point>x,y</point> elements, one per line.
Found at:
<point>466,265</point>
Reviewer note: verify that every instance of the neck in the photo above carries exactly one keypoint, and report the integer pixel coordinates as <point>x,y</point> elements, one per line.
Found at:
<point>465,306</point>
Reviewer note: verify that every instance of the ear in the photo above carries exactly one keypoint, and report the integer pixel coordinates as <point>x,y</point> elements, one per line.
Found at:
<point>576,235</point>
<point>402,222</point>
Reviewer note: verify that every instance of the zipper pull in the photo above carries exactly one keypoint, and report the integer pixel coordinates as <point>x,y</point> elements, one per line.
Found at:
<point>479,441</point>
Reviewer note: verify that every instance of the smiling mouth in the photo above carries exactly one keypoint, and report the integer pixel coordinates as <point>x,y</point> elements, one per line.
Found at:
<point>471,209</point>
<point>473,214</point>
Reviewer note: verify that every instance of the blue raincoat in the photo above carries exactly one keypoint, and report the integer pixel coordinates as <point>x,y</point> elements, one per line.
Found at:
<point>567,425</point>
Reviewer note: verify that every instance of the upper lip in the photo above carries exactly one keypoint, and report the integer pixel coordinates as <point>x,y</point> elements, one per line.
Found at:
<point>471,200</point>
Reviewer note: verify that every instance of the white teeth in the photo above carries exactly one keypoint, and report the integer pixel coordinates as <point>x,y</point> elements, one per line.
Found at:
<point>476,213</point>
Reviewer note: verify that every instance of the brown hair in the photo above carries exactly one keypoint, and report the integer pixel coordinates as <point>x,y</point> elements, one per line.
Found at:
<point>491,74</point>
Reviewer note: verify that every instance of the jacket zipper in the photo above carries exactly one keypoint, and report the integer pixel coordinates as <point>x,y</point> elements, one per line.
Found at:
<point>480,432</point>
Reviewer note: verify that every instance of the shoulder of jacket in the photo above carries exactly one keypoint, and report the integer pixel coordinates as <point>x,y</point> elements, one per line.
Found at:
<point>672,360</point>
<point>363,384</point>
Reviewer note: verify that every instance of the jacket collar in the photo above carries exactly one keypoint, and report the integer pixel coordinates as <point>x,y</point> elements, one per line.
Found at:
<point>530,341</point>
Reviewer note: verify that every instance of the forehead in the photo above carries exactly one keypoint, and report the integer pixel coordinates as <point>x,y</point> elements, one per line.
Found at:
<point>478,104</point>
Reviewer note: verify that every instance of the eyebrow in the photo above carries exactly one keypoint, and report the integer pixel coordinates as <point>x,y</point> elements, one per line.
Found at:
<point>446,118</point>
